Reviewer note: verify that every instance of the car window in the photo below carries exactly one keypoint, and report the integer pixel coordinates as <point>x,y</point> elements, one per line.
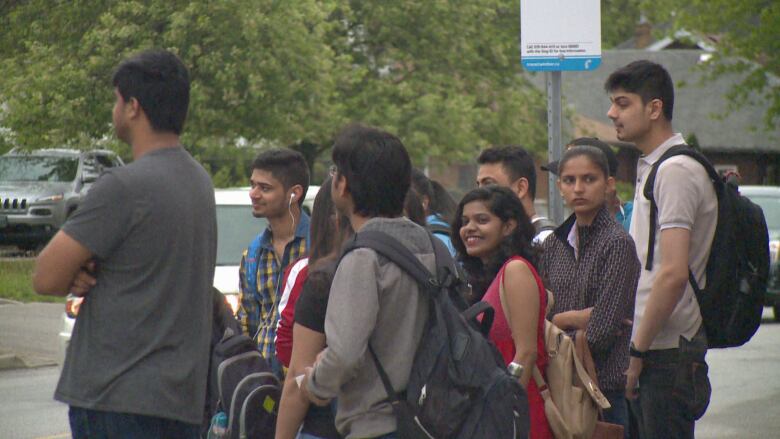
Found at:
<point>105,161</point>
<point>91,165</point>
<point>236,228</point>
<point>38,168</point>
<point>771,207</point>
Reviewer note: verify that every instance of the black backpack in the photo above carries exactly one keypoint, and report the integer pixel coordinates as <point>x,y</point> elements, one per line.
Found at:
<point>738,266</point>
<point>458,385</point>
<point>248,390</point>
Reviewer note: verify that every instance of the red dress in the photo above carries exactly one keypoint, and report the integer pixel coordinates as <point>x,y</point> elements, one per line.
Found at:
<point>501,335</point>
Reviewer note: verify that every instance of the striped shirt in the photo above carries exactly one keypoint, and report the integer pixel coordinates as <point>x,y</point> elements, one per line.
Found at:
<point>600,270</point>
<point>259,308</point>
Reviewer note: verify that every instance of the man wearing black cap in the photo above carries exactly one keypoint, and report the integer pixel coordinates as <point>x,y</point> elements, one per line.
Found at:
<point>621,211</point>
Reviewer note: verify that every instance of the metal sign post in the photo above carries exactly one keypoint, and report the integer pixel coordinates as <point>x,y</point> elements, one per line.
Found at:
<point>554,143</point>
<point>558,35</point>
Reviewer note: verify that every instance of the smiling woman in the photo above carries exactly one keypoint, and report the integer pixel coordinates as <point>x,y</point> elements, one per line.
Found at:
<point>495,245</point>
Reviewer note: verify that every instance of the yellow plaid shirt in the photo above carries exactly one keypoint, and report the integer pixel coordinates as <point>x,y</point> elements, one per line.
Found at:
<point>259,308</point>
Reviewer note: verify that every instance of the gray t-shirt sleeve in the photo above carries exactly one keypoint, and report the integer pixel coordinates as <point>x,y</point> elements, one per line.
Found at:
<point>102,220</point>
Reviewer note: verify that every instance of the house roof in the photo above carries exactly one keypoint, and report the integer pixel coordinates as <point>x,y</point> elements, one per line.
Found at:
<point>697,103</point>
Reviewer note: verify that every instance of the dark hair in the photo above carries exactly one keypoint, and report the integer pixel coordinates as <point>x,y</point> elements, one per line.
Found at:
<point>422,185</point>
<point>594,154</point>
<point>160,83</point>
<point>377,169</point>
<point>286,165</point>
<point>328,228</point>
<point>612,160</point>
<point>504,204</point>
<point>413,208</point>
<point>442,203</point>
<point>515,160</point>
<point>647,79</point>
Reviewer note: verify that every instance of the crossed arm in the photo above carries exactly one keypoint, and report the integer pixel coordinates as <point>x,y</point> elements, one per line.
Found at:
<point>63,266</point>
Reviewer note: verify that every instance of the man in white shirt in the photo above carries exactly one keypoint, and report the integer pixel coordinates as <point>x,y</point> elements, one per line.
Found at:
<point>513,167</point>
<point>667,379</point>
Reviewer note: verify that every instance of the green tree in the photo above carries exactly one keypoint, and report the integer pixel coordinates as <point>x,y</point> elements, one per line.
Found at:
<point>619,19</point>
<point>447,79</point>
<point>746,42</point>
<point>265,73</point>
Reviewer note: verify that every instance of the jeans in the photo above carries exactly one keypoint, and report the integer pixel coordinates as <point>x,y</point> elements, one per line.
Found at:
<point>674,390</point>
<point>95,424</point>
<point>618,413</point>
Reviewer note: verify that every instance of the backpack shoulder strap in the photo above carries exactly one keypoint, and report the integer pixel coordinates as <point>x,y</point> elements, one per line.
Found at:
<point>397,253</point>
<point>252,261</point>
<point>650,187</point>
<point>393,250</point>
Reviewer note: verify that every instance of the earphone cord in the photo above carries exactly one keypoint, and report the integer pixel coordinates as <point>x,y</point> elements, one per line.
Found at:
<point>292,217</point>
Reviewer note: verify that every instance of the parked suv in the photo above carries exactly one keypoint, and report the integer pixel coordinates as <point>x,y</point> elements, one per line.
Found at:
<point>40,189</point>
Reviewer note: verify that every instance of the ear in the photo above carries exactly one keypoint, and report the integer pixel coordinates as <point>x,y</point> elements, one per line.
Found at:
<point>426,201</point>
<point>340,186</point>
<point>297,193</point>
<point>133,108</point>
<point>611,184</point>
<point>508,227</point>
<point>520,187</point>
<point>656,108</point>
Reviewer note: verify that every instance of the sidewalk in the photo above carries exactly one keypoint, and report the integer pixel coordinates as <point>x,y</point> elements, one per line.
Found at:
<point>29,334</point>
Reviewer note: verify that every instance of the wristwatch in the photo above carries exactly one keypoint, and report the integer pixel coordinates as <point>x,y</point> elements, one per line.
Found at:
<point>515,369</point>
<point>634,352</point>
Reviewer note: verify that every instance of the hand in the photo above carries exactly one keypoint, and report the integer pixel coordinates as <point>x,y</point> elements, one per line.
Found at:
<point>583,317</point>
<point>305,389</point>
<point>632,377</point>
<point>626,326</point>
<point>84,280</point>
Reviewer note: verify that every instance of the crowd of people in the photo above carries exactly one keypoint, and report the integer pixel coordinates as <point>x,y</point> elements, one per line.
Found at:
<point>141,249</point>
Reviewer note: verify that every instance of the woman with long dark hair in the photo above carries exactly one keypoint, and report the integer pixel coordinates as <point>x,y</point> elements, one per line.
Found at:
<point>494,239</point>
<point>305,314</point>
<point>591,266</point>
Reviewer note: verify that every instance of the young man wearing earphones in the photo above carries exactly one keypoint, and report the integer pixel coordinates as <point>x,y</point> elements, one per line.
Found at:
<point>279,181</point>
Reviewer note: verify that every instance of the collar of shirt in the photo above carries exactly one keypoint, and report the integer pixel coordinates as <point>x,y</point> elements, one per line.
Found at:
<point>301,231</point>
<point>575,235</point>
<point>650,159</point>
<point>572,240</point>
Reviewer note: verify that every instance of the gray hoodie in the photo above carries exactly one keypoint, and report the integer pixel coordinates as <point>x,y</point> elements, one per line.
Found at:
<point>372,300</point>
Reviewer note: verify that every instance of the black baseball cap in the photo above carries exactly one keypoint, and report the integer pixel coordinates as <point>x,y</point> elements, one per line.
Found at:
<point>612,161</point>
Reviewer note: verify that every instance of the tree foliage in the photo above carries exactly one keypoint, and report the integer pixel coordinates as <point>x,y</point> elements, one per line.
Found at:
<point>446,79</point>
<point>619,19</point>
<point>747,42</point>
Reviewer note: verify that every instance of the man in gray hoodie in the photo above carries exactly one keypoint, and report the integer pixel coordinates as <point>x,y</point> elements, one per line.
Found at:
<point>372,302</point>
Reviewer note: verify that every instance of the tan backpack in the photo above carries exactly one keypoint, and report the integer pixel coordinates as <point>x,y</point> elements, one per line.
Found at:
<point>572,399</point>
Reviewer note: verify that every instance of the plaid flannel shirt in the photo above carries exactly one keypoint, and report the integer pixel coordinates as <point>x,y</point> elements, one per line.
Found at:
<point>258,312</point>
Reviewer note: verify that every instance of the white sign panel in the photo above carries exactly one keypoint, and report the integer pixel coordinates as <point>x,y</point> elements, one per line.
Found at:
<point>560,34</point>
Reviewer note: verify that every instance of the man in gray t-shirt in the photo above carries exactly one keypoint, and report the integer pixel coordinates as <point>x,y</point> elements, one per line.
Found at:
<point>141,249</point>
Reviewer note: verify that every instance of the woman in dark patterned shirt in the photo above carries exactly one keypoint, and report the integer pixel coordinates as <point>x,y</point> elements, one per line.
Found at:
<point>590,265</point>
<point>494,242</point>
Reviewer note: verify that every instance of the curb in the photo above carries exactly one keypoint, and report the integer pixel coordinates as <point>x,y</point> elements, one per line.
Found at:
<point>9,302</point>
<point>11,361</point>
